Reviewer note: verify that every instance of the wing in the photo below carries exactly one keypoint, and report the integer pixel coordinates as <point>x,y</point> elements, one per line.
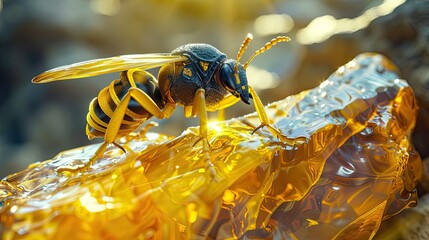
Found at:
<point>107,65</point>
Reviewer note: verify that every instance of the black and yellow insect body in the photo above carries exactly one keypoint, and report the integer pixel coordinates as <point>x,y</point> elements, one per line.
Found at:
<point>102,107</point>
<point>196,76</point>
<point>183,81</point>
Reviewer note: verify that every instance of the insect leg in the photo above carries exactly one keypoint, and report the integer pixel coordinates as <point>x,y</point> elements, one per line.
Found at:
<point>111,131</point>
<point>266,122</point>
<point>221,115</point>
<point>226,102</point>
<point>118,115</point>
<point>199,107</point>
<point>146,100</point>
<point>187,110</point>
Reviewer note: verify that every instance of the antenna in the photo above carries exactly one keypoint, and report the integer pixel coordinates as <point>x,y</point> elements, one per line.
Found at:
<point>243,47</point>
<point>267,46</point>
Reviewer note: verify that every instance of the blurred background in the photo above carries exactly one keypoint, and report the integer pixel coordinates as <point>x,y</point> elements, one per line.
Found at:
<point>38,121</point>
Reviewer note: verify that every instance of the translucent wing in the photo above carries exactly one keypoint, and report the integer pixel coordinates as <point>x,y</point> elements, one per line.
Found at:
<point>107,65</point>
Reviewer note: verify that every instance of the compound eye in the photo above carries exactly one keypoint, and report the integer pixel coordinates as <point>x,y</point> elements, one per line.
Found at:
<point>228,79</point>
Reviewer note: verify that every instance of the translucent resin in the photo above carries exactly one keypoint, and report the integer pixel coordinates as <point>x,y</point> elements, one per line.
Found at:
<point>355,168</point>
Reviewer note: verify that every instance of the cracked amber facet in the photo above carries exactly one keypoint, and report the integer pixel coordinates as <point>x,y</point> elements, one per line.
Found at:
<point>356,168</point>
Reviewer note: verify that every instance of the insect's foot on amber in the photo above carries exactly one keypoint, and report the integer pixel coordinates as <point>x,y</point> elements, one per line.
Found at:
<point>209,166</point>
<point>84,167</point>
<point>201,138</point>
<point>278,134</point>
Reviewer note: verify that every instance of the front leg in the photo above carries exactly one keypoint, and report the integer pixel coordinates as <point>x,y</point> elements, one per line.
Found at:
<point>266,122</point>
<point>199,108</point>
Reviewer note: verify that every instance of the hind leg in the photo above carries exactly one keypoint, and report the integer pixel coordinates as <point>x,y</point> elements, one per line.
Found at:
<point>116,119</point>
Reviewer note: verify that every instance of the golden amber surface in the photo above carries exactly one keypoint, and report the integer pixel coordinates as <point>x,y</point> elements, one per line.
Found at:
<point>355,168</point>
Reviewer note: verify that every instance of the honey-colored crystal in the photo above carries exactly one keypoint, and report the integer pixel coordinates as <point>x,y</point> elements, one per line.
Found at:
<point>356,168</point>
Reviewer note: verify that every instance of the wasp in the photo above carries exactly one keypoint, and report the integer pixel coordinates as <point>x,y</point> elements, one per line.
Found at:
<point>198,77</point>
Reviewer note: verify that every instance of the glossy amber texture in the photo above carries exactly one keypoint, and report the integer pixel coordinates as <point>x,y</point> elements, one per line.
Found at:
<point>356,168</point>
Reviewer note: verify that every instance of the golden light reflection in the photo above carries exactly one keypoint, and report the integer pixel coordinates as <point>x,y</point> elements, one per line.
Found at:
<point>191,210</point>
<point>229,197</point>
<point>273,24</point>
<point>214,125</point>
<point>13,209</point>
<point>106,7</point>
<point>324,27</point>
<point>91,203</point>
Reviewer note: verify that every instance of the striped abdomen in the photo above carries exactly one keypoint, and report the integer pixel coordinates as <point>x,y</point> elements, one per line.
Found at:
<point>102,107</point>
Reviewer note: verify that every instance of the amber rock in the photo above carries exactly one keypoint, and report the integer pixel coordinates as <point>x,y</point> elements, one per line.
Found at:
<point>356,168</point>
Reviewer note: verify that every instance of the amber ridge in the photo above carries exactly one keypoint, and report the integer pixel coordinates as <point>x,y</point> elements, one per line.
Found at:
<point>355,168</point>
